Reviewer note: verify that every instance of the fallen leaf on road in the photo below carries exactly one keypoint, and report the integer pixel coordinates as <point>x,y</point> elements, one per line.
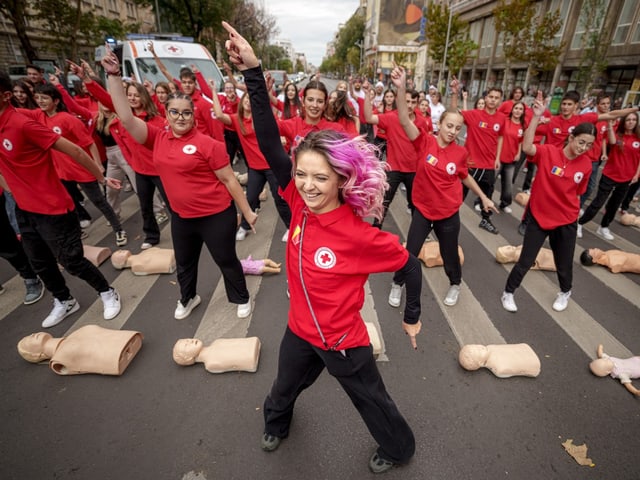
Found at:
<point>578,452</point>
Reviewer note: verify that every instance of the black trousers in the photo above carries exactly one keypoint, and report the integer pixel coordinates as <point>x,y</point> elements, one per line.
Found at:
<point>146,188</point>
<point>631,192</point>
<point>255,184</point>
<point>10,248</point>
<point>300,364</point>
<point>395,178</point>
<point>607,189</point>
<point>447,230</point>
<point>218,233</point>
<point>232,142</point>
<point>562,241</point>
<point>486,179</point>
<point>95,193</point>
<point>52,239</point>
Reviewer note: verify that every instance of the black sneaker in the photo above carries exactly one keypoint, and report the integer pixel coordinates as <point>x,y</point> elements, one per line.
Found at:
<point>269,442</point>
<point>488,226</point>
<point>522,228</point>
<point>377,464</point>
<point>35,290</point>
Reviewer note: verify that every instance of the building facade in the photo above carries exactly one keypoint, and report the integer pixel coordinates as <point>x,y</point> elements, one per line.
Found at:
<point>124,10</point>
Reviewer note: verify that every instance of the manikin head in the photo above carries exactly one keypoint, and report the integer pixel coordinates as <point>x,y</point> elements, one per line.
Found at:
<point>601,367</point>
<point>506,253</point>
<point>186,351</point>
<point>119,259</point>
<point>33,347</point>
<point>473,357</point>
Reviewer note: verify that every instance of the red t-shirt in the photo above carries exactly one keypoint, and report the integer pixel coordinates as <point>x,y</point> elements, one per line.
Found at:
<point>249,143</point>
<point>401,155</point>
<point>137,155</point>
<point>187,166</point>
<point>26,165</point>
<point>559,128</point>
<point>437,187</point>
<point>349,126</point>
<point>294,110</point>
<point>339,251</point>
<point>295,129</point>
<point>558,185</point>
<point>624,158</point>
<point>511,139</point>
<point>601,136</point>
<point>73,130</point>
<point>228,107</point>
<point>483,130</point>
<point>206,121</point>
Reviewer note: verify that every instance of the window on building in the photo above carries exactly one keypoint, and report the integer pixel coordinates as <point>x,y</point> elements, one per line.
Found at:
<point>112,5</point>
<point>131,9</point>
<point>624,22</point>
<point>585,26</point>
<point>563,7</point>
<point>636,33</point>
<point>487,38</point>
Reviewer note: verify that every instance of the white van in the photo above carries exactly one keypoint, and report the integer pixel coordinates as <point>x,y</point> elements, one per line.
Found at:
<point>137,61</point>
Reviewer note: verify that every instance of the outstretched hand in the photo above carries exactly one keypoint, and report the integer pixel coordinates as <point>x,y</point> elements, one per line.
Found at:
<point>539,104</point>
<point>399,76</point>
<point>239,50</point>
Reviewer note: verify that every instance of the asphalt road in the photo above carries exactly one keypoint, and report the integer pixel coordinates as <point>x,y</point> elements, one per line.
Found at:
<point>162,421</point>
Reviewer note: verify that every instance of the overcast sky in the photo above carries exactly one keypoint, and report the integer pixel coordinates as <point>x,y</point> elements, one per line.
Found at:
<point>310,25</point>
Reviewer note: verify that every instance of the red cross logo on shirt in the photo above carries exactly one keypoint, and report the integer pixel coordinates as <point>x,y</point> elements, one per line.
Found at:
<point>325,258</point>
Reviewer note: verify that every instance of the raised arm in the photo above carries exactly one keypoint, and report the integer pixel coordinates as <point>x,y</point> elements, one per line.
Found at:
<point>159,63</point>
<point>399,79</point>
<point>242,56</point>
<point>615,114</point>
<point>369,116</point>
<point>79,155</point>
<point>455,88</point>
<point>135,126</point>
<point>538,108</point>
<point>84,113</point>
<point>217,108</point>
<point>232,79</point>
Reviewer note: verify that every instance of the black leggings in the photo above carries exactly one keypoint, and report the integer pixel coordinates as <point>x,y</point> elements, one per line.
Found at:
<point>218,233</point>
<point>447,231</point>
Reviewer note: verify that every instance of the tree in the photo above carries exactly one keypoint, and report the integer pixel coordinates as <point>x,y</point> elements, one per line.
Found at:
<point>593,43</point>
<point>272,56</point>
<point>347,52</point>
<point>513,21</point>
<point>16,12</point>
<point>70,27</point>
<point>525,39</point>
<point>443,25</point>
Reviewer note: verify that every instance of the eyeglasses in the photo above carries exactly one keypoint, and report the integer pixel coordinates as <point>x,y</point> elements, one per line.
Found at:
<point>175,114</point>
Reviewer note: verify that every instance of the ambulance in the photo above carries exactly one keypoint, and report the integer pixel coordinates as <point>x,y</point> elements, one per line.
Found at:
<point>138,63</point>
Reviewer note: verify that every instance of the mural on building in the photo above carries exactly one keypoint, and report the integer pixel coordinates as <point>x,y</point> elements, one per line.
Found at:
<point>400,21</point>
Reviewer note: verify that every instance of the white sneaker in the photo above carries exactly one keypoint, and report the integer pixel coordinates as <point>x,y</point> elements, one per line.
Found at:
<point>581,212</point>
<point>85,223</point>
<point>244,309</point>
<point>605,233</point>
<point>395,295</point>
<point>579,233</point>
<point>111,302</point>
<point>452,295</point>
<point>562,300</point>
<point>121,238</point>
<point>508,303</point>
<point>61,310</point>
<point>507,209</point>
<point>285,237</point>
<point>183,311</point>
<point>477,207</point>
<point>145,246</point>
<point>241,234</point>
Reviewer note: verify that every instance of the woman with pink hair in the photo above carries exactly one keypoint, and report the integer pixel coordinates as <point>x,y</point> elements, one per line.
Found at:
<point>331,250</point>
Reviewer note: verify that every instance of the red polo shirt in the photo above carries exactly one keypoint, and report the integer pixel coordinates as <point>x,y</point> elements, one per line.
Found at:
<point>295,129</point>
<point>437,187</point>
<point>401,155</point>
<point>623,160</point>
<point>249,143</point>
<point>483,130</point>
<point>26,165</point>
<point>559,183</point>
<point>559,128</point>
<point>187,168</point>
<point>338,249</point>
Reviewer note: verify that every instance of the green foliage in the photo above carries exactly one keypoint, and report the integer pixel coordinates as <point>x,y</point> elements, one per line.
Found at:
<point>272,56</point>
<point>525,39</point>
<point>459,52</point>
<point>70,26</point>
<point>592,43</point>
<point>460,45</point>
<point>347,53</point>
